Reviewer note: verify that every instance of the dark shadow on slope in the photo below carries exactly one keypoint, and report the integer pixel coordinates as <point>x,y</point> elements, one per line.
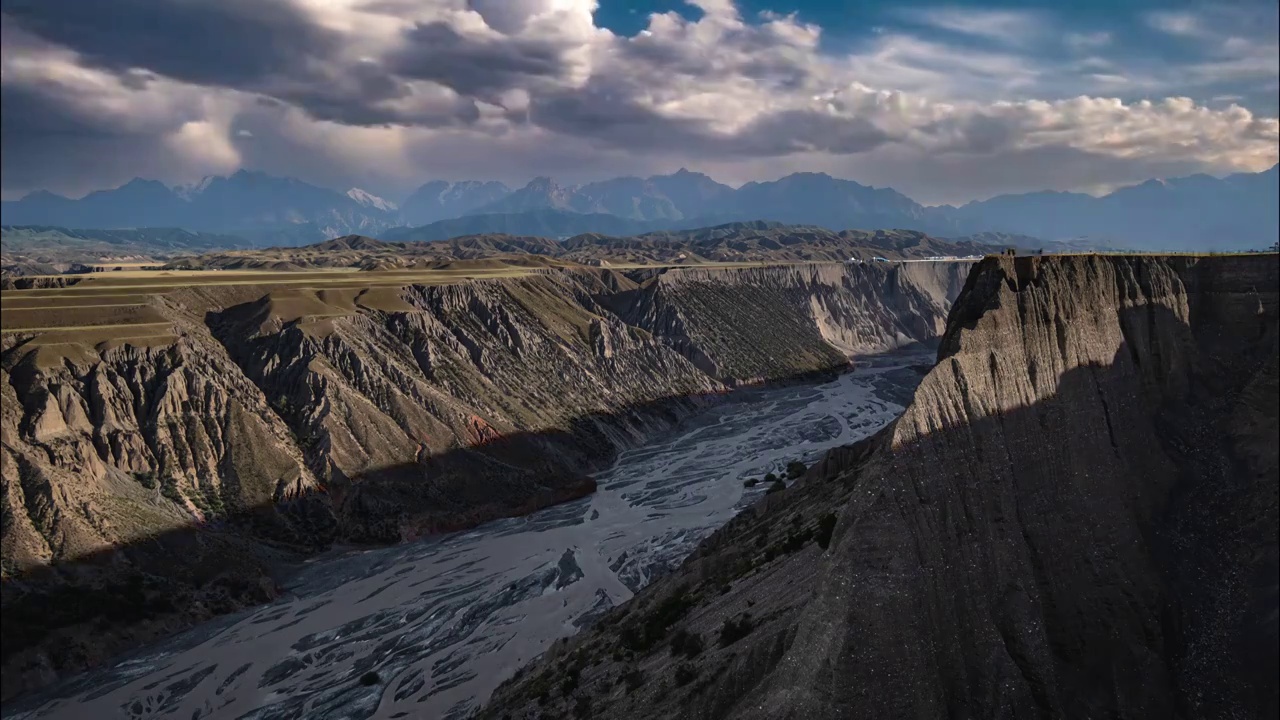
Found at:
<point>1110,551</point>
<point>75,615</point>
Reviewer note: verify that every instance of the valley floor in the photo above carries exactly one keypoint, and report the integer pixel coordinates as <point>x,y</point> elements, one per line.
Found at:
<point>441,622</point>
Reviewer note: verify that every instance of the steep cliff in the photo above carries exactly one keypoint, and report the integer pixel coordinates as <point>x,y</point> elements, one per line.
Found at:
<point>169,465</point>
<point>1075,517</point>
<point>768,323</point>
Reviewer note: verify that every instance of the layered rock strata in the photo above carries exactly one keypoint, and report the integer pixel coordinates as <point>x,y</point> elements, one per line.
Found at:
<point>1076,516</point>
<point>171,467</point>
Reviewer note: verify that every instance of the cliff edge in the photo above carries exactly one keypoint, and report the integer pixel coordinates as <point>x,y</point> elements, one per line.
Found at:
<point>151,476</point>
<point>1076,516</point>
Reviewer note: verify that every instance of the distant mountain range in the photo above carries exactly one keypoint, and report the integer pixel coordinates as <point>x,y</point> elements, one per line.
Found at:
<point>1199,212</point>
<point>757,241</point>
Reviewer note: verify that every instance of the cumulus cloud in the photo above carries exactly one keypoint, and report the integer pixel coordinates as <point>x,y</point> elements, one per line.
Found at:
<point>399,91</point>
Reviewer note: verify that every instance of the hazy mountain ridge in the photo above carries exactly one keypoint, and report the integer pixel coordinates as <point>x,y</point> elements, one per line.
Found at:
<point>245,203</point>
<point>746,242</point>
<point>1238,212</point>
<point>442,200</point>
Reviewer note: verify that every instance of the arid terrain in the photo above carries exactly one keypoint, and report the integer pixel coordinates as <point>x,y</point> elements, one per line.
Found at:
<point>171,435</point>
<point>47,251</point>
<point>1075,516</point>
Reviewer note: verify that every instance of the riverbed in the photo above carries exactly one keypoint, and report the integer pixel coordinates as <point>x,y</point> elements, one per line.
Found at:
<point>429,629</point>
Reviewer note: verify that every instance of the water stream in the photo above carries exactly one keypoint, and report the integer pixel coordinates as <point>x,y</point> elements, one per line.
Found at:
<point>443,621</point>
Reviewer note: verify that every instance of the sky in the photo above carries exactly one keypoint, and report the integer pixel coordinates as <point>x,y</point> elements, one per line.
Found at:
<point>944,102</point>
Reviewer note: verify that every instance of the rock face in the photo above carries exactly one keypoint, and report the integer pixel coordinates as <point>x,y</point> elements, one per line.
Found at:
<point>771,323</point>
<point>1075,517</point>
<point>170,471</point>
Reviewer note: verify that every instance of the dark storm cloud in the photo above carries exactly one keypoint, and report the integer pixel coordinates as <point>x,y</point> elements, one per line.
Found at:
<point>30,113</point>
<point>793,131</point>
<point>232,43</point>
<point>596,113</point>
<point>96,91</point>
<point>974,134</point>
<point>268,48</point>
<point>610,116</point>
<point>435,51</point>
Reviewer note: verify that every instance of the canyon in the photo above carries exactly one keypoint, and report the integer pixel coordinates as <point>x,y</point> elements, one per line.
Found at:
<point>1074,516</point>
<point>170,443</point>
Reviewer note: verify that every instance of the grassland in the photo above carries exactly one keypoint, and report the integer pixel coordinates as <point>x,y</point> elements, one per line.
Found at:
<point>104,307</point>
<point>127,297</point>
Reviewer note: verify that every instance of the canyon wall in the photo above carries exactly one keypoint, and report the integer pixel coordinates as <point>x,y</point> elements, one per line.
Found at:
<point>1076,516</point>
<point>168,470</point>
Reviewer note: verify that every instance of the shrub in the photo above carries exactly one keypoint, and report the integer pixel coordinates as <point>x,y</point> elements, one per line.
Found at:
<point>749,482</point>
<point>795,469</point>
<point>826,525</point>
<point>736,629</point>
<point>146,478</point>
<point>686,643</point>
<point>649,631</point>
<point>569,684</point>
<point>770,478</point>
<point>208,501</point>
<point>777,486</point>
<point>793,543</point>
<point>633,679</point>
<point>169,489</point>
<point>571,674</point>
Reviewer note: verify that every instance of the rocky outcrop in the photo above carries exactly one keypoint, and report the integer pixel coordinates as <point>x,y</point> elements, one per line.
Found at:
<point>171,469</point>
<point>765,323</point>
<point>1076,516</point>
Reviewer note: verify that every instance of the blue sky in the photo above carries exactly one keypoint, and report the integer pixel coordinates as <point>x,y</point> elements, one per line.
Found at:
<point>1141,38</point>
<point>946,102</point>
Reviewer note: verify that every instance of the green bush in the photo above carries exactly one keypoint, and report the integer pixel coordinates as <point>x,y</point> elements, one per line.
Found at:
<point>688,644</point>
<point>777,486</point>
<point>633,679</point>
<point>826,525</point>
<point>736,629</point>
<point>569,684</point>
<point>146,478</point>
<point>644,633</point>
<point>169,489</point>
<point>685,674</point>
<point>750,482</point>
<point>208,501</point>
<point>795,469</point>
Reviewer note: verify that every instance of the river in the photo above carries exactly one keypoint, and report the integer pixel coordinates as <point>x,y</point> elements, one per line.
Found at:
<point>429,629</point>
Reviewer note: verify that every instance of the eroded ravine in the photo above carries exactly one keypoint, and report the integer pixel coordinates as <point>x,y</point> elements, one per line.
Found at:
<point>149,483</point>
<point>443,621</point>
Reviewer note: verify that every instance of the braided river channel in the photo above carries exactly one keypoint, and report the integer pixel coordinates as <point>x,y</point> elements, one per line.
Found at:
<point>444,620</point>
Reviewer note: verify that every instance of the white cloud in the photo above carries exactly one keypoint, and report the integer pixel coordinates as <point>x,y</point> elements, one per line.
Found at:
<point>515,88</point>
<point>1087,40</point>
<point>1009,26</point>
<point>1176,22</point>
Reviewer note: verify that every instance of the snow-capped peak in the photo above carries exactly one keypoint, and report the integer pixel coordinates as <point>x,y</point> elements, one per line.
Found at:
<point>190,190</point>
<point>370,200</point>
